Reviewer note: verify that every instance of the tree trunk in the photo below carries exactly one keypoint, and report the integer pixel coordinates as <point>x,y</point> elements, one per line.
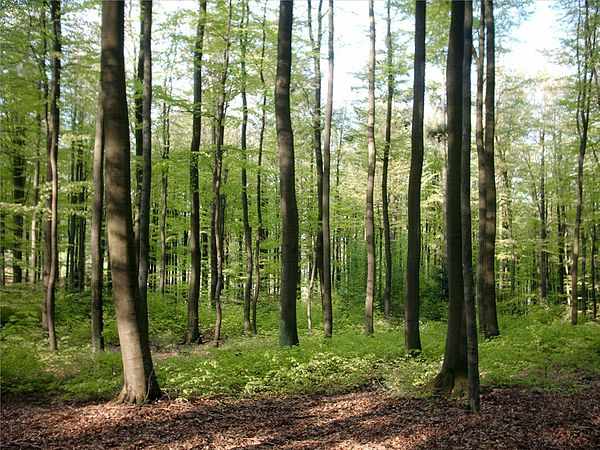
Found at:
<point>593,271</point>
<point>583,274</point>
<point>384,174</point>
<point>144,255</point>
<point>561,249</point>
<point>482,172</point>
<point>453,375</point>
<point>412,338</point>
<point>193,330</point>
<point>465,198</point>
<point>18,173</point>
<point>140,383</point>
<point>165,197</point>
<point>288,328</point>
<point>543,231</point>
<point>245,219</point>
<point>316,126</point>
<point>33,235</point>
<point>489,300</point>
<point>263,123</point>
<point>326,280</point>
<point>96,232</point>
<point>369,216</point>
<point>138,133</point>
<point>219,200</point>
<point>583,117</point>
<point>54,122</point>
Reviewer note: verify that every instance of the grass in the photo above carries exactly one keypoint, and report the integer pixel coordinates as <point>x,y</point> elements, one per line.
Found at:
<point>539,349</point>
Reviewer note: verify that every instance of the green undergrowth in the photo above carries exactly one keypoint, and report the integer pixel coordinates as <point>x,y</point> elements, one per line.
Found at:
<point>539,349</point>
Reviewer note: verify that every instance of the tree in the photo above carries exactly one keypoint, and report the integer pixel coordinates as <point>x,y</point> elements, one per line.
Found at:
<point>384,171</point>
<point>585,72</point>
<point>489,272</point>
<point>326,284</point>
<point>261,138</point>
<point>193,331</point>
<point>96,232</point>
<point>244,145</point>
<point>51,227</point>
<point>144,236</point>
<point>370,216</point>
<point>288,329</point>
<point>453,375</point>
<point>465,199</point>
<point>412,338</point>
<point>140,383</point>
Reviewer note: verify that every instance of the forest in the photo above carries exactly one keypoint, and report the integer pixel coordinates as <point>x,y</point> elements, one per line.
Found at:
<point>299,224</point>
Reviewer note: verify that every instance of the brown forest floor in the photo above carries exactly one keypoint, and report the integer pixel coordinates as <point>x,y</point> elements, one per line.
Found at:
<point>368,419</point>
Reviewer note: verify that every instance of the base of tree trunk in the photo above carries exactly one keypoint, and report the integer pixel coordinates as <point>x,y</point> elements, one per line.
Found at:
<point>128,397</point>
<point>193,339</point>
<point>449,383</point>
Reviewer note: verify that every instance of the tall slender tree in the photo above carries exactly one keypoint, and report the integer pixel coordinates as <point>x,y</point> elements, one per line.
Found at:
<point>370,215</point>
<point>412,338</point>
<point>465,198</point>
<point>96,232</point>
<point>244,145</point>
<point>489,272</point>
<point>326,285</point>
<point>288,328</point>
<point>53,133</point>
<point>144,255</point>
<point>387,292</point>
<point>585,46</point>
<point>261,139</point>
<point>453,375</point>
<point>193,330</point>
<point>140,383</point>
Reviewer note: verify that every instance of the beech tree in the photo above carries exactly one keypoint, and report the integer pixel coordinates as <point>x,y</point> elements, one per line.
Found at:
<point>288,329</point>
<point>370,215</point>
<point>453,375</point>
<point>412,338</point>
<point>140,383</point>
<point>193,331</point>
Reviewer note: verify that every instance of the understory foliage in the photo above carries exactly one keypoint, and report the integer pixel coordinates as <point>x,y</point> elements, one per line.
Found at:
<point>538,349</point>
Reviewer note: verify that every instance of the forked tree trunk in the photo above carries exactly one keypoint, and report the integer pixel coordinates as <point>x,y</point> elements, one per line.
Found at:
<point>412,338</point>
<point>193,329</point>
<point>288,328</point>
<point>370,216</point>
<point>140,383</point>
<point>453,375</point>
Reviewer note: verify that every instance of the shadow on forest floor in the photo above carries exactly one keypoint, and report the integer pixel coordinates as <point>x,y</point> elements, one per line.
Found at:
<point>511,418</point>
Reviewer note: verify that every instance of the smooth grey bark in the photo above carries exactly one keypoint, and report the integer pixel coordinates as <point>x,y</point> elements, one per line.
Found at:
<point>243,144</point>
<point>96,233</point>
<point>326,281</point>
<point>370,215</point>
<point>261,138</point>
<point>387,292</point>
<point>489,276</point>
<point>412,338</point>
<point>140,383</point>
<point>288,328</point>
<point>53,129</point>
<point>453,376</point>
<point>144,255</point>
<point>193,328</point>
<point>467,244</point>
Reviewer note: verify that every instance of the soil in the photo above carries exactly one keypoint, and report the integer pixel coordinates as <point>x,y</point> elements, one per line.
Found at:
<point>371,418</point>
